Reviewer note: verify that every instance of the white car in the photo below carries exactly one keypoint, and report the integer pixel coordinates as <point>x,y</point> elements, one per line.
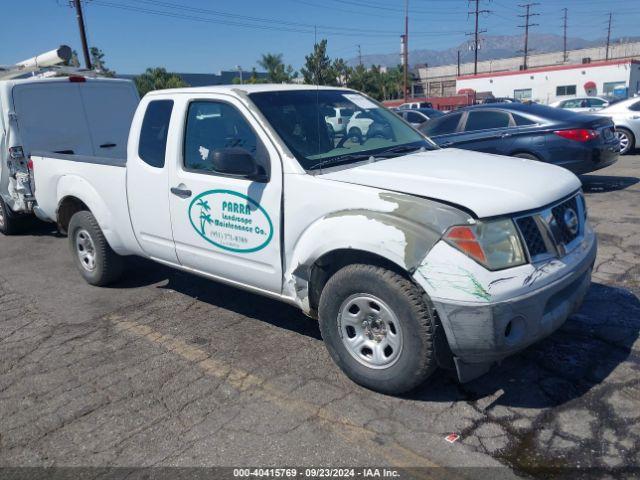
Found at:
<point>412,105</point>
<point>626,117</point>
<point>582,104</point>
<point>359,124</point>
<point>337,122</point>
<point>411,257</point>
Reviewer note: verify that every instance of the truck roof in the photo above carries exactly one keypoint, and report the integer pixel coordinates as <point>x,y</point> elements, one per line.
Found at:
<point>37,79</point>
<point>247,88</point>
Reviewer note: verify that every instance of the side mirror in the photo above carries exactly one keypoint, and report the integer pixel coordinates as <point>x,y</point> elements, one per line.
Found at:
<point>235,161</point>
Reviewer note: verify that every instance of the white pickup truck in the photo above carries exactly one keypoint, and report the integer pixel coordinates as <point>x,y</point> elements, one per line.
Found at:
<point>411,257</point>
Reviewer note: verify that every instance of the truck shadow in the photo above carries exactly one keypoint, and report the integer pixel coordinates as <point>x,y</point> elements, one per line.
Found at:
<point>578,357</point>
<point>606,183</point>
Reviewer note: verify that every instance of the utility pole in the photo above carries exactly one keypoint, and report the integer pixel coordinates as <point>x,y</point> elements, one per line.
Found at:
<point>359,56</point>
<point>527,24</point>
<point>566,13</point>
<point>405,52</point>
<point>83,33</point>
<point>608,36</point>
<point>458,63</point>
<point>476,33</point>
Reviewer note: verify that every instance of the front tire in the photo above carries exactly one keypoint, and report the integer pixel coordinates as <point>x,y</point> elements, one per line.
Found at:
<point>96,261</point>
<point>627,140</point>
<point>378,328</point>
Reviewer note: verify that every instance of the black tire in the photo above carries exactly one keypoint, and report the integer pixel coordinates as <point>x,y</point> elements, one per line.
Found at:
<point>631,140</point>
<point>107,265</point>
<point>10,223</point>
<point>528,156</point>
<point>416,359</point>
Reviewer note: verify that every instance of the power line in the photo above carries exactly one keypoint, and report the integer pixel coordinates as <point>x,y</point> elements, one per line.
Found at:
<point>476,34</point>
<point>527,16</point>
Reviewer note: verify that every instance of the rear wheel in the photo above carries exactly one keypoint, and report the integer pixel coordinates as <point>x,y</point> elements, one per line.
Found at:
<point>10,223</point>
<point>378,328</point>
<point>627,140</point>
<point>96,261</point>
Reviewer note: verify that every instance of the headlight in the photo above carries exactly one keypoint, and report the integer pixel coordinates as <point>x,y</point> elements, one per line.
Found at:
<point>494,243</point>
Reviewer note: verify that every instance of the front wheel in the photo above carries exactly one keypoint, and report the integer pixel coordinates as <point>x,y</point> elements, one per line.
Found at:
<point>96,261</point>
<point>378,328</point>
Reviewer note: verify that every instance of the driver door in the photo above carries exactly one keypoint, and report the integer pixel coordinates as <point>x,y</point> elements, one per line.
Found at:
<point>225,225</point>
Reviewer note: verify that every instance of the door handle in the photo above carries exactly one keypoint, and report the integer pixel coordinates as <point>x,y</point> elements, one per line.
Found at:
<point>107,145</point>
<point>179,192</point>
<point>505,135</point>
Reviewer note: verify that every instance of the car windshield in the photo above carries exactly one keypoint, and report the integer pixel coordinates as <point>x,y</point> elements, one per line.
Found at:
<point>305,120</point>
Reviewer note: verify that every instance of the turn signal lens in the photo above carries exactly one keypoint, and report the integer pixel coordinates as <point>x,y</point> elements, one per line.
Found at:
<point>579,134</point>
<point>465,239</point>
<point>494,244</point>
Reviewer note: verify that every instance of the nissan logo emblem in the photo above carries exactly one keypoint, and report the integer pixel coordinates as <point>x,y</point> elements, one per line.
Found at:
<point>571,220</point>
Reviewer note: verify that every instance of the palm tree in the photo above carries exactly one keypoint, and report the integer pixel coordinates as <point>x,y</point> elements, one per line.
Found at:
<point>205,219</point>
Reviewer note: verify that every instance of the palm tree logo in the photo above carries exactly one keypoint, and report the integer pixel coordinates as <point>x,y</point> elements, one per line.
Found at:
<point>205,218</point>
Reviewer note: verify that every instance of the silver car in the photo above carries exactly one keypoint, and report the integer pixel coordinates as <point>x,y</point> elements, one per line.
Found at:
<point>626,117</point>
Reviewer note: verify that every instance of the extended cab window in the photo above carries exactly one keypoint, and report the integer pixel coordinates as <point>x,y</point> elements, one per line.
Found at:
<point>635,107</point>
<point>486,120</point>
<point>153,135</point>
<point>214,126</point>
<point>443,125</point>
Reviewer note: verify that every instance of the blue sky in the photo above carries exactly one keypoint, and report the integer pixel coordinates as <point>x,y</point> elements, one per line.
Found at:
<point>208,35</point>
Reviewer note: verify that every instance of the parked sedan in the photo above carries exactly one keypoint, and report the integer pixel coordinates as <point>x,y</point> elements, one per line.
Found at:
<point>626,117</point>
<point>419,116</point>
<point>582,104</point>
<point>579,142</point>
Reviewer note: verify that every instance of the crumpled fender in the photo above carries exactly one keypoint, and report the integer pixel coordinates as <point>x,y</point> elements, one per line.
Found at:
<point>403,233</point>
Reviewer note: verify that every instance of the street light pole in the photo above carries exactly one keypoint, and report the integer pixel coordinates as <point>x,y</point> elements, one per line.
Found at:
<point>83,33</point>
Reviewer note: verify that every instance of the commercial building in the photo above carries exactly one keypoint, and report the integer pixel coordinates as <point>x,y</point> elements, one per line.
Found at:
<point>548,84</point>
<point>441,81</point>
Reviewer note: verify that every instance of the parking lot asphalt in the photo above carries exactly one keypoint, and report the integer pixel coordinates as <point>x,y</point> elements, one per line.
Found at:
<point>167,368</point>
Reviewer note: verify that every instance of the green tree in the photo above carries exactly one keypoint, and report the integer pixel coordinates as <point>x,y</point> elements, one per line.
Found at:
<point>342,71</point>
<point>97,61</point>
<point>157,79</point>
<point>277,72</point>
<point>317,69</point>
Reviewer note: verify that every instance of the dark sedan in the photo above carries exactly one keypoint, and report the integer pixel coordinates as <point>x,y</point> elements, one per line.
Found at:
<point>579,142</point>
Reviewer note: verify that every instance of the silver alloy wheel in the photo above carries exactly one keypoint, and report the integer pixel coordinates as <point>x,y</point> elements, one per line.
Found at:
<point>625,141</point>
<point>2,219</point>
<point>86,250</point>
<point>370,331</point>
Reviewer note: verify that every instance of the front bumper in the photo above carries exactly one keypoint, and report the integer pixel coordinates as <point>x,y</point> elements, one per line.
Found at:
<point>481,333</point>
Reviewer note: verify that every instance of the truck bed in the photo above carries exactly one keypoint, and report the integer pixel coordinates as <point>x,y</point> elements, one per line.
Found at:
<point>100,182</point>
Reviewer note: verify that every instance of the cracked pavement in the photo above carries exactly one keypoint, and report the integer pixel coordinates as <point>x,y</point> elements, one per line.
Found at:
<point>168,369</point>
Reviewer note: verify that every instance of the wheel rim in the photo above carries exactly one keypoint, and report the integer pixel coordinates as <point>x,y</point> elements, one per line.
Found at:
<point>624,140</point>
<point>370,331</point>
<point>1,216</point>
<point>86,250</point>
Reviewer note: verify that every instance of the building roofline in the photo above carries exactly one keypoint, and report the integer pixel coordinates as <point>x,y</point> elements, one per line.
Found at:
<point>551,68</point>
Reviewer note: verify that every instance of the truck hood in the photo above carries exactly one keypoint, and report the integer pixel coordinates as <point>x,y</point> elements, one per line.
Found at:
<point>488,185</point>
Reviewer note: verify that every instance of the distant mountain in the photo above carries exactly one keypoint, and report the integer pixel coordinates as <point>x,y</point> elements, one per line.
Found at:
<point>493,47</point>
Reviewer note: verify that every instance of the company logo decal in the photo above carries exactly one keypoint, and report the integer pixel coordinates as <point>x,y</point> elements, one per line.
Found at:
<point>231,221</point>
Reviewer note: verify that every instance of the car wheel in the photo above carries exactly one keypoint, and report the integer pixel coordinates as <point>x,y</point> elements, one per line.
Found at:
<point>528,156</point>
<point>378,328</point>
<point>355,132</point>
<point>9,222</point>
<point>627,140</point>
<point>96,261</point>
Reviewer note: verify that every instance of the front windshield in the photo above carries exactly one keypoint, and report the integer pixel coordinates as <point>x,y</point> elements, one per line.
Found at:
<point>331,127</point>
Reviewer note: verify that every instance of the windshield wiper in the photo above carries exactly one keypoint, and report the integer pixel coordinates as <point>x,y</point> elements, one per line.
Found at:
<point>400,149</point>
<point>342,159</point>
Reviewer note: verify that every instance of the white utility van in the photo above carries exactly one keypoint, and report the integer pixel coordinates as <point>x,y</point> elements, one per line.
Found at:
<point>72,115</point>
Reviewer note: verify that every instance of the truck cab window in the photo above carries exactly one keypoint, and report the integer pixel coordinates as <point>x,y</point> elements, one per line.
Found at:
<point>153,135</point>
<point>213,126</point>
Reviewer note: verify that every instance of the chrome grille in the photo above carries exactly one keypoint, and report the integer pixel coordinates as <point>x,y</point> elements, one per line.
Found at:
<point>554,231</point>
